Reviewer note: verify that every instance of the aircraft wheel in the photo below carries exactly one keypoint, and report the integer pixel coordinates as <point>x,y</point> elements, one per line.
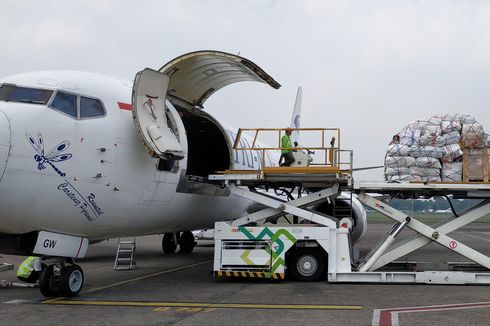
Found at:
<point>307,265</point>
<point>187,242</point>
<point>71,280</point>
<point>47,284</point>
<point>168,243</point>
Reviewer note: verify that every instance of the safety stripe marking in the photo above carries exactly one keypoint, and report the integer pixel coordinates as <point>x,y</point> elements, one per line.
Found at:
<point>275,276</point>
<point>389,317</point>
<point>187,305</point>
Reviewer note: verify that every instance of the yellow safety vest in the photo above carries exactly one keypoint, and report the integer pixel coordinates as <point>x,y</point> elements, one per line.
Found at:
<point>27,266</point>
<point>286,144</point>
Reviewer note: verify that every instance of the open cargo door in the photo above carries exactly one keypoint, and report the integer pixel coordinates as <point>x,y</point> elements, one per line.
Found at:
<point>195,76</point>
<point>150,119</point>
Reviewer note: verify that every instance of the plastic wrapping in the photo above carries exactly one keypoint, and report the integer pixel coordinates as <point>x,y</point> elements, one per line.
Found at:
<point>429,151</point>
<point>401,178</point>
<point>452,138</point>
<point>473,135</point>
<point>398,150</point>
<point>425,172</point>
<point>397,171</point>
<point>432,140</point>
<point>400,161</point>
<point>452,172</point>
<point>428,162</point>
<point>435,142</point>
<point>450,126</point>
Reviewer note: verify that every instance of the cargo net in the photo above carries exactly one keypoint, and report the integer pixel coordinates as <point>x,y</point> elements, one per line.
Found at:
<point>432,149</point>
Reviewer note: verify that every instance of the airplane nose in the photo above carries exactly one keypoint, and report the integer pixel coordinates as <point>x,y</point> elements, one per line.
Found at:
<point>4,142</point>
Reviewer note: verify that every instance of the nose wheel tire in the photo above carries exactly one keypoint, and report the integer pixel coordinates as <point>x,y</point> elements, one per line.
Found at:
<point>168,243</point>
<point>307,265</point>
<point>71,280</point>
<point>47,284</point>
<point>187,242</point>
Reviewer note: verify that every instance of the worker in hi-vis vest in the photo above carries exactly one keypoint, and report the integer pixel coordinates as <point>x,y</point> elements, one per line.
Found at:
<point>286,149</point>
<point>29,270</point>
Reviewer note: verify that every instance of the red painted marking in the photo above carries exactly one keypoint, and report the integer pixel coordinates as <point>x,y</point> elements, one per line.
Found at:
<point>385,318</point>
<point>80,247</point>
<point>125,106</point>
<point>385,315</point>
<point>344,225</point>
<point>453,244</point>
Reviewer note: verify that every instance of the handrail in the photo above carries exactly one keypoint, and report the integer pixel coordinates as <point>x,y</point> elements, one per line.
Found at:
<point>332,157</point>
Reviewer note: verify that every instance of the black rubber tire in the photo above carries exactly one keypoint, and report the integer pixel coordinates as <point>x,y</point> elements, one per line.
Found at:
<point>168,244</point>
<point>47,285</point>
<point>71,280</point>
<point>186,242</point>
<point>307,265</point>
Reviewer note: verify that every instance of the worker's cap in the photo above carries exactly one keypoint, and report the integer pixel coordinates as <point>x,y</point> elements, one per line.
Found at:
<point>289,129</point>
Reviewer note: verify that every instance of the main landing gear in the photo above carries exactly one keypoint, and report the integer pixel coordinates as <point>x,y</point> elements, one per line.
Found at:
<point>61,278</point>
<point>185,240</point>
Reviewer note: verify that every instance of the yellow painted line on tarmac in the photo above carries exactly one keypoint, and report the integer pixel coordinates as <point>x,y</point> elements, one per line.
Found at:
<point>58,299</point>
<point>145,277</point>
<point>186,305</point>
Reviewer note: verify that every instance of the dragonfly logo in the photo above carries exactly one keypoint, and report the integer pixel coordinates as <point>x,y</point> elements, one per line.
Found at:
<point>54,155</point>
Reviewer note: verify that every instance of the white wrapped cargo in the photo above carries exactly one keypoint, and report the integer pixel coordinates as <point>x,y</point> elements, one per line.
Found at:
<point>425,172</point>
<point>473,135</point>
<point>450,126</point>
<point>409,137</point>
<point>400,178</point>
<point>397,171</point>
<point>398,150</point>
<point>428,162</point>
<point>427,178</point>
<point>452,172</point>
<point>418,124</point>
<point>432,140</point>
<point>452,137</point>
<point>434,121</point>
<point>465,118</point>
<point>451,153</point>
<point>432,130</point>
<point>399,161</point>
<point>428,151</point>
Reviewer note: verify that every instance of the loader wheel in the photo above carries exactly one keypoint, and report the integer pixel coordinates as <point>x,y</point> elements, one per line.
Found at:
<point>307,265</point>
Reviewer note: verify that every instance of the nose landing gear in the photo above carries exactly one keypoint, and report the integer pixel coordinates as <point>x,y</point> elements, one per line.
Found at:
<point>61,277</point>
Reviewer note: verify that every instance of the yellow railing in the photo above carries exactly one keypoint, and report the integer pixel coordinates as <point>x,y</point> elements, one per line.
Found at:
<point>331,157</point>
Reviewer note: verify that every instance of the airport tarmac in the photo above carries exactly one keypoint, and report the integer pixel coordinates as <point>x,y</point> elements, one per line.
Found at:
<point>180,290</point>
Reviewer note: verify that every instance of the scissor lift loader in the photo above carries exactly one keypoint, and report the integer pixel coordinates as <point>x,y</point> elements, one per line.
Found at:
<point>323,248</point>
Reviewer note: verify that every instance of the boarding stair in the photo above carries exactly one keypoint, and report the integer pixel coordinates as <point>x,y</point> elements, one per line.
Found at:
<point>125,255</point>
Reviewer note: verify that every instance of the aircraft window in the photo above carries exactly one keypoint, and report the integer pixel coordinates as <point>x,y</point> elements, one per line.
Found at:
<point>10,93</point>
<point>90,107</point>
<point>66,103</point>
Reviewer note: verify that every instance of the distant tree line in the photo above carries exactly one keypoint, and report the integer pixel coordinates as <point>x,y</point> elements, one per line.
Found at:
<point>433,204</point>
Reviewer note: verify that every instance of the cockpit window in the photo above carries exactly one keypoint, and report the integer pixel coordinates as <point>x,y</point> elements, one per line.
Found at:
<point>11,93</point>
<point>90,108</point>
<point>66,103</point>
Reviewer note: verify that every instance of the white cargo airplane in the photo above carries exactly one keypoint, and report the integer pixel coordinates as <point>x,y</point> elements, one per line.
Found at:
<point>73,169</point>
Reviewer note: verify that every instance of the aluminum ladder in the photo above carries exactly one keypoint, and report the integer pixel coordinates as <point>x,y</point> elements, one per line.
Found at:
<point>125,256</point>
